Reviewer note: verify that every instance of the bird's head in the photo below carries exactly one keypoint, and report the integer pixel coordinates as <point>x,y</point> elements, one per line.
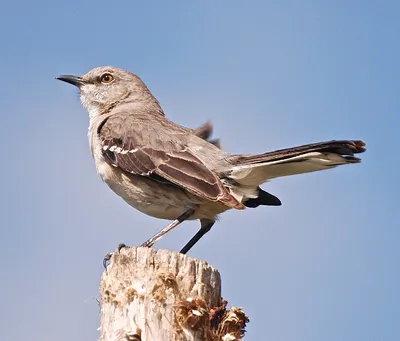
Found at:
<point>102,88</point>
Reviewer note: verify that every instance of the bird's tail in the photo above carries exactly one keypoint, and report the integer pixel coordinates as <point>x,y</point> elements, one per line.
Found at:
<point>253,170</point>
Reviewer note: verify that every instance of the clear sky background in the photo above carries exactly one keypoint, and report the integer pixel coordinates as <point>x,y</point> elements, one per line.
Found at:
<point>269,74</point>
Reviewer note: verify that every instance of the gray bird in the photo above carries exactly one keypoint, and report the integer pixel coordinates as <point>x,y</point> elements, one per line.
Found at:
<point>171,172</point>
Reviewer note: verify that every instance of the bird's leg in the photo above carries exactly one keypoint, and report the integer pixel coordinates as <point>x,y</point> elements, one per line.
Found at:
<point>150,242</point>
<point>206,225</point>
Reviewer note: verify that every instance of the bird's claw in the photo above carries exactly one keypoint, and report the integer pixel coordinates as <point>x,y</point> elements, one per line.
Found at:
<point>106,259</point>
<point>120,246</point>
<point>108,256</point>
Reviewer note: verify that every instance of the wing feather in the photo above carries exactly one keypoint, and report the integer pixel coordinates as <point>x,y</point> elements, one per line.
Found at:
<point>147,148</point>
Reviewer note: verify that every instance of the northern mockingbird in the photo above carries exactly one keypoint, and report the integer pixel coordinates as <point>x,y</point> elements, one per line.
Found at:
<point>171,172</point>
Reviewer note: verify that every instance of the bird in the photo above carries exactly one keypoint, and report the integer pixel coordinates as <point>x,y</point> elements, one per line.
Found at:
<point>171,172</point>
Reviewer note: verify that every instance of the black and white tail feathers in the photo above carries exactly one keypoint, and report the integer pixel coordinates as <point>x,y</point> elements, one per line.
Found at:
<point>250,171</point>
<point>253,170</point>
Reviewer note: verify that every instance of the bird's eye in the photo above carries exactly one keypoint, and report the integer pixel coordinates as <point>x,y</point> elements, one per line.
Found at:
<point>106,78</point>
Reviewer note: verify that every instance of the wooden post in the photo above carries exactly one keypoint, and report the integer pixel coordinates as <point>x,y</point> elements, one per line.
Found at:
<point>149,295</point>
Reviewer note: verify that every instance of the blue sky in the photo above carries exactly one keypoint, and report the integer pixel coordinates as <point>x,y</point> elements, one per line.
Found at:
<point>322,267</point>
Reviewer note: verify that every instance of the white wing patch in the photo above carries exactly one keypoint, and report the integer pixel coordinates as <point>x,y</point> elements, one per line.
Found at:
<point>119,150</point>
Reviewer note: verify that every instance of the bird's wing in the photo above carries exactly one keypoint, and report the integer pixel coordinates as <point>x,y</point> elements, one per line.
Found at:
<point>204,132</point>
<point>155,148</point>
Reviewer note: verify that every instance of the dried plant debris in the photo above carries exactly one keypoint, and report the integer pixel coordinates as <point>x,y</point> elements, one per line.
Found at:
<point>217,314</point>
<point>192,314</point>
<point>233,325</point>
<point>217,324</point>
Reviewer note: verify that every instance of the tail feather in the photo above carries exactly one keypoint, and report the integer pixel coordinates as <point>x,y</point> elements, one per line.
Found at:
<point>263,198</point>
<point>252,170</point>
<point>343,147</point>
<point>257,169</point>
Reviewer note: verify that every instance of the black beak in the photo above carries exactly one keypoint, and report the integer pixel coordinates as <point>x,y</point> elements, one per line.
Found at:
<point>74,80</point>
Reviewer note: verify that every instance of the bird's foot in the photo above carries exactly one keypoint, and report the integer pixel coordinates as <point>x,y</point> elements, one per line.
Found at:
<point>108,256</point>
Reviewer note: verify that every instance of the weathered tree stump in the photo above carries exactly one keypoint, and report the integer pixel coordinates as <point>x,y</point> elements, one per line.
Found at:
<point>149,295</point>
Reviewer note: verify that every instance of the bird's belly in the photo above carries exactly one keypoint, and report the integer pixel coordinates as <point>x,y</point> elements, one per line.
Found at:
<point>155,199</point>
<point>160,201</point>
<point>147,196</point>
